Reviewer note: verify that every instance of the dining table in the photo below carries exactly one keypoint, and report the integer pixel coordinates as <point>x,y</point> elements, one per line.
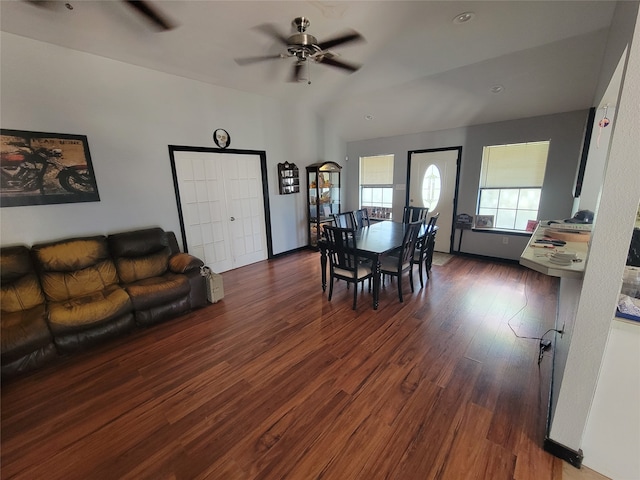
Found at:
<point>373,242</point>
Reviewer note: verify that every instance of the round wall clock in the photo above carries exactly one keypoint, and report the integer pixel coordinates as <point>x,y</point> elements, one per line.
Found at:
<point>222,138</point>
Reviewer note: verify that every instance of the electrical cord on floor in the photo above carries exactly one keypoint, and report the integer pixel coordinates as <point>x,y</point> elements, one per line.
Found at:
<point>544,344</point>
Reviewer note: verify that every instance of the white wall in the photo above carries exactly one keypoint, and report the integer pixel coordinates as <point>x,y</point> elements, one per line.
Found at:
<point>609,244</point>
<point>612,436</point>
<point>130,115</point>
<point>565,130</point>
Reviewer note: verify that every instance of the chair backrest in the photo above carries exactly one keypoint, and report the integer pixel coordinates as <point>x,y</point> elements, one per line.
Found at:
<point>409,243</point>
<point>432,221</point>
<point>362,218</point>
<point>341,244</point>
<point>415,214</point>
<point>345,220</point>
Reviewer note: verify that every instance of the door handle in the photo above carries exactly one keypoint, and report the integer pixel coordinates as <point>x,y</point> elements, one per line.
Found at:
<point>233,219</point>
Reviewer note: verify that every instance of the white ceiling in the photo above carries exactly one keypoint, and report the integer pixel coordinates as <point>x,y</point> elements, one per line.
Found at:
<point>421,71</point>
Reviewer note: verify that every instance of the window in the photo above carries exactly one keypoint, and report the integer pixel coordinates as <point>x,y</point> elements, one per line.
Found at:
<point>431,187</point>
<point>376,186</point>
<point>511,183</point>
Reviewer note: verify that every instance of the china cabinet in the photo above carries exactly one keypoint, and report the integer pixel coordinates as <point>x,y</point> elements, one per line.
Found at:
<point>323,197</point>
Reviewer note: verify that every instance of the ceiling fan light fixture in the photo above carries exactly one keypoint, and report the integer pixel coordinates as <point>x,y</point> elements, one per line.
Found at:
<point>465,17</point>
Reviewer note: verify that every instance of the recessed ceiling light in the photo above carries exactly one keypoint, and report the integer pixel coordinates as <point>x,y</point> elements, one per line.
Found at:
<point>368,117</point>
<point>496,89</point>
<point>464,17</point>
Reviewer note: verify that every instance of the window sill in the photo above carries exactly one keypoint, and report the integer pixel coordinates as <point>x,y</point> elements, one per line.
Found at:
<point>503,231</point>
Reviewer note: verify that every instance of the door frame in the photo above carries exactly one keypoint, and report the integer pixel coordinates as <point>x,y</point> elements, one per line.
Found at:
<point>457,185</point>
<point>265,186</point>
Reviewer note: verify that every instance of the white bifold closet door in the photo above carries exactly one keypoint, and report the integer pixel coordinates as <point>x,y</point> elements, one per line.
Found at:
<point>222,207</point>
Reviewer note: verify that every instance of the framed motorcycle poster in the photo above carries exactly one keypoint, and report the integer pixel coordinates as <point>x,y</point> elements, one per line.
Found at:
<point>44,168</point>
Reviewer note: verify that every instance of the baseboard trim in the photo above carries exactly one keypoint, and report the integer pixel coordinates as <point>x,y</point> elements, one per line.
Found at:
<point>289,252</point>
<point>565,453</point>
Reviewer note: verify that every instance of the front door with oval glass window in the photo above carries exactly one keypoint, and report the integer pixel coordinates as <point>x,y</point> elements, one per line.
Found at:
<point>432,184</point>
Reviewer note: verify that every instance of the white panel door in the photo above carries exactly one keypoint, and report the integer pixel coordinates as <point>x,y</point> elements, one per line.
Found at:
<point>446,162</point>
<point>245,208</point>
<point>222,207</point>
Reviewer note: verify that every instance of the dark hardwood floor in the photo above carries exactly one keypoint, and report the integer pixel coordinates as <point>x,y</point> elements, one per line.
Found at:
<point>277,382</point>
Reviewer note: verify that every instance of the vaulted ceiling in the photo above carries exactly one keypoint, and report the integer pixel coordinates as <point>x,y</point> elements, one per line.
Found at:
<point>421,70</point>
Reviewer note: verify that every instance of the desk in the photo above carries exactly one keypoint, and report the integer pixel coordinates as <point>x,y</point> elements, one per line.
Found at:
<point>372,242</point>
<point>538,258</point>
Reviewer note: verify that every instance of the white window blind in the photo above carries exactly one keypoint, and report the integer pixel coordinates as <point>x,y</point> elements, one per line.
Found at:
<point>376,170</point>
<point>518,165</point>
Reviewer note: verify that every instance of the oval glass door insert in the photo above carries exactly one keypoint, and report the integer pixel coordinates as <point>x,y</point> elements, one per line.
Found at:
<point>431,187</point>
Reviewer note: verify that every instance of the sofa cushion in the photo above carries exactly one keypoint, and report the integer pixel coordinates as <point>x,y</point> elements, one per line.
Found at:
<point>23,332</point>
<point>150,292</point>
<point>133,269</point>
<point>89,310</point>
<point>75,268</point>
<point>140,254</point>
<point>20,288</point>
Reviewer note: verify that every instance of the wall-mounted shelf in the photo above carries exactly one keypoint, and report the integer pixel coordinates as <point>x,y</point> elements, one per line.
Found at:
<point>288,178</point>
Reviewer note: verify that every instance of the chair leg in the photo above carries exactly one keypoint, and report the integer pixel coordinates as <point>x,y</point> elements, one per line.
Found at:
<point>399,288</point>
<point>355,295</point>
<point>330,288</point>
<point>411,278</point>
<point>420,274</point>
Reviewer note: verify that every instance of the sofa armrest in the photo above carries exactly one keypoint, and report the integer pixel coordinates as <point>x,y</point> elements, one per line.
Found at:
<point>183,263</point>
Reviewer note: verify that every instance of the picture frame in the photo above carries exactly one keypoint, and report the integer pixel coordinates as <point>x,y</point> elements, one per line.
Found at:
<point>40,168</point>
<point>221,138</point>
<point>531,225</point>
<point>484,221</point>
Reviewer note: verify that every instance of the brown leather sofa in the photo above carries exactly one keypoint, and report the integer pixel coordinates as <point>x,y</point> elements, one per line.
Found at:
<point>60,297</point>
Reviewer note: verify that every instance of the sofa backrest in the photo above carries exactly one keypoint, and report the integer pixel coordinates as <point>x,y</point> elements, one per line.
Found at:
<point>74,267</point>
<point>140,254</point>
<point>20,288</point>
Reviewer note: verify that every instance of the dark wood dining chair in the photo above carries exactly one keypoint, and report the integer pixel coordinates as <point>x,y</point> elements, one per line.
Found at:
<point>423,254</point>
<point>345,220</point>
<point>415,214</point>
<point>428,260</point>
<point>362,218</point>
<point>396,266</point>
<point>344,262</point>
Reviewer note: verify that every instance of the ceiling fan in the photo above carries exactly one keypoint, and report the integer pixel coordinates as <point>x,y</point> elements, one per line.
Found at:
<point>145,8</point>
<point>306,48</point>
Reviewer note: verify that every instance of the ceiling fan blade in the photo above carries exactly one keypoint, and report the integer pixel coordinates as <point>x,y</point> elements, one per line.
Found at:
<point>295,73</point>
<point>351,67</point>
<point>350,37</point>
<point>273,32</point>
<point>250,60</point>
<point>151,13</point>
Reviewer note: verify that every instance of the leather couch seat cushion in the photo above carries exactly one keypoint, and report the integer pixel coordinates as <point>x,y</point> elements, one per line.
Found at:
<point>150,292</point>
<point>23,332</point>
<point>89,310</point>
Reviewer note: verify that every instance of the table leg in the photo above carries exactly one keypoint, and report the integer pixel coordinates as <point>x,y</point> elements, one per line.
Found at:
<point>376,282</point>
<point>323,268</point>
